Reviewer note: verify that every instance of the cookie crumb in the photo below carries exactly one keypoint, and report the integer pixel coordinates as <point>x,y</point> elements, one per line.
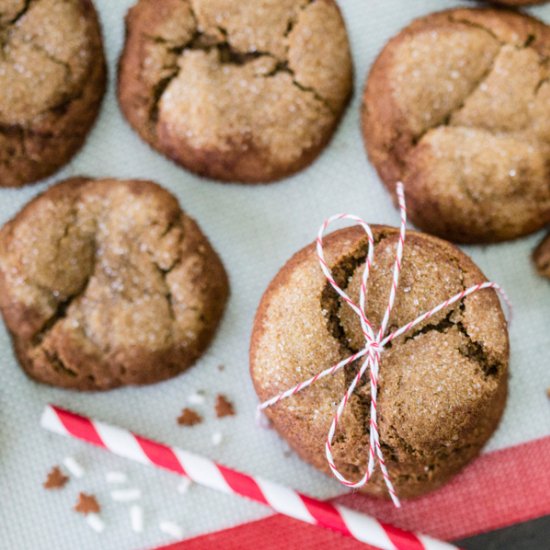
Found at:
<point>189,417</point>
<point>221,368</point>
<point>56,479</point>
<point>224,407</point>
<point>548,393</point>
<point>87,504</point>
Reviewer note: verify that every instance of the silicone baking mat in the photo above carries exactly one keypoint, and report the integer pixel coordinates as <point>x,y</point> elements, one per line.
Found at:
<point>255,230</point>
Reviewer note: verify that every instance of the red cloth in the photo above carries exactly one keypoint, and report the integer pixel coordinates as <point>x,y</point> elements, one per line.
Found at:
<point>496,490</point>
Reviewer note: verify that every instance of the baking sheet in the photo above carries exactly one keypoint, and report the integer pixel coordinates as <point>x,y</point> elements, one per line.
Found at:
<point>255,230</point>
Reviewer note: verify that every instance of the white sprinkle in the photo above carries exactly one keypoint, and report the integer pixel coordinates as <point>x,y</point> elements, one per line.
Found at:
<point>196,399</point>
<point>512,173</point>
<point>126,495</point>
<point>73,466</point>
<point>116,477</point>
<point>95,522</point>
<point>184,485</point>
<point>172,529</point>
<point>136,518</point>
<point>217,438</point>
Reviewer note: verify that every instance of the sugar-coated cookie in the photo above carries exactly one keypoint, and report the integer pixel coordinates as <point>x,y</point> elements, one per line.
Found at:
<point>442,386</point>
<point>106,283</point>
<point>457,105</point>
<point>52,80</point>
<point>236,91</point>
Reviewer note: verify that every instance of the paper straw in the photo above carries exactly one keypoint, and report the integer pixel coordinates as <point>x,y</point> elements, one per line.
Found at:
<point>210,474</point>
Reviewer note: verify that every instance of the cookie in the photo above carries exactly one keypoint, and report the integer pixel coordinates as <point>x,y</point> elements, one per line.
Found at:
<point>105,283</point>
<point>541,257</point>
<point>457,106</point>
<point>52,77</point>
<point>442,387</point>
<point>236,91</point>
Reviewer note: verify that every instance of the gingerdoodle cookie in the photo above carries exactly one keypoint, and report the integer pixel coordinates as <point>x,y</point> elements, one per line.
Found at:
<point>457,106</point>
<point>105,283</point>
<point>52,80</point>
<point>442,386</point>
<point>541,257</point>
<point>236,91</point>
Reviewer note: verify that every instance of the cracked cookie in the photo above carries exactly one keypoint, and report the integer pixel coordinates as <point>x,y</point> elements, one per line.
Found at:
<point>236,91</point>
<point>52,81</point>
<point>541,257</point>
<point>457,106</point>
<point>105,283</point>
<point>442,386</point>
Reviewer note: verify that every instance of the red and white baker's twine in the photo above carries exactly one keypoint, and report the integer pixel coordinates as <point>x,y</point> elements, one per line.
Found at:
<point>375,341</point>
<point>205,472</point>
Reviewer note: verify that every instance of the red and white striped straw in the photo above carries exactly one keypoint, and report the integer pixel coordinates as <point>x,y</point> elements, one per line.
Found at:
<point>206,472</point>
<point>375,341</point>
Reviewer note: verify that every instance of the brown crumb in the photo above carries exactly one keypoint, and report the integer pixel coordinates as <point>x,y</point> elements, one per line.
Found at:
<point>548,393</point>
<point>87,504</point>
<point>189,417</point>
<point>221,368</point>
<point>56,479</point>
<point>224,407</point>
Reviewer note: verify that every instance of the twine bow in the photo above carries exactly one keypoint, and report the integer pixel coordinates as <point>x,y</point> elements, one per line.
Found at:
<point>375,342</point>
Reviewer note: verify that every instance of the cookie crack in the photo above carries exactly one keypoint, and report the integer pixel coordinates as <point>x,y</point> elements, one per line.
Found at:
<point>60,312</point>
<point>447,120</point>
<point>164,272</point>
<point>59,365</point>
<point>540,84</point>
<point>227,55</point>
<point>19,132</point>
<point>52,58</point>
<point>19,15</point>
<point>475,351</point>
<point>62,306</point>
<point>292,21</point>
<point>479,26</point>
<point>479,82</point>
<point>330,305</point>
<point>441,326</point>
<point>283,67</point>
<point>330,300</point>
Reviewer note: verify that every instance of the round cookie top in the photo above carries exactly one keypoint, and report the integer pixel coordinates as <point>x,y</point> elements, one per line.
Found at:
<point>242,91</point>
<point>107,283</point>
<point>52,77</point>
<point>442,386</point>
<point>457,106</point>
